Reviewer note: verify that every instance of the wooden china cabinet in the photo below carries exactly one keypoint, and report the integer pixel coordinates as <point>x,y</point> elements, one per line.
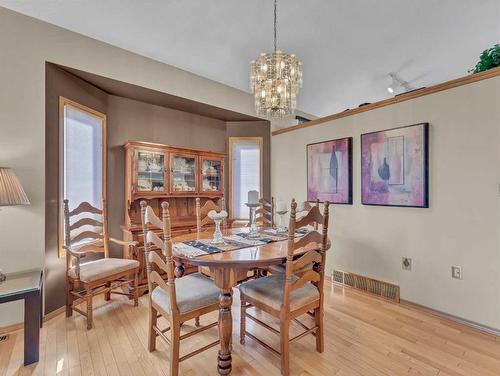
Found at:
<point>157,173</point>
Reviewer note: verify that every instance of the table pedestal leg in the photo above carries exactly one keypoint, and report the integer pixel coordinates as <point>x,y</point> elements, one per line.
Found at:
<point>225,332</point>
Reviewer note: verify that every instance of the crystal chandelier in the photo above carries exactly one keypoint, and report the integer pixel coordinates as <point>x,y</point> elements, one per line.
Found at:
<point>275,80</point>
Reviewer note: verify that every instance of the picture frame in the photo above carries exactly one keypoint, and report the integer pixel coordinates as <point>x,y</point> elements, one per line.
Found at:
<point>395,167</point>
<point>329,175</point>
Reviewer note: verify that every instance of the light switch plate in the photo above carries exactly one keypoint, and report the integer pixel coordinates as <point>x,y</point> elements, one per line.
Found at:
<point>456,272</point>
<point>406,263</point>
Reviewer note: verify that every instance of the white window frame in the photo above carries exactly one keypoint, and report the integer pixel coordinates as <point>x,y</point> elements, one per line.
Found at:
<point>235,140</point>
<point>63,102</point>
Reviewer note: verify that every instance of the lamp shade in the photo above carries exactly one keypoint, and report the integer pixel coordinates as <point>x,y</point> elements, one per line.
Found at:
<point>11,191</point>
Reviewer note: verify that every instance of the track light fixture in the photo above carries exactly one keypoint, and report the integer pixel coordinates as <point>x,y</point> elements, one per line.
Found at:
<point>396,83</point>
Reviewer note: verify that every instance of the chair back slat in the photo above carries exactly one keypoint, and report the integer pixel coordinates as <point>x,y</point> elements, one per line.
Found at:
<point>309,276</point>
<point>210,205</point>
<point>150,218</point>
<point>310,258</point>
<point>93,247</point>
<point>85,207</point>
<point>151,237</point>
<point>205,221</point>
<point>85,222</point>
<point>264,215</point>
<point>315,245</point>
<point>202,218</point>
<point>311,237</point>
<point>263,211</point>
<point>154,276</point>
<point>152,258</point>
<point>306,207</point>
<point>311,218</point>
<point>265,203</point>
<point>85,235</point>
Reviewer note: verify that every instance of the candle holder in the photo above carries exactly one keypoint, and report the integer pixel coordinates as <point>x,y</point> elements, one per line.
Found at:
<point>281,228</point>
<point>217,217</point>
<point>253,233</point>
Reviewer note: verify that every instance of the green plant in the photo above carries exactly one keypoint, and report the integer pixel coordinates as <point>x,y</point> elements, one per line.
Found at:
<point>488,59</point>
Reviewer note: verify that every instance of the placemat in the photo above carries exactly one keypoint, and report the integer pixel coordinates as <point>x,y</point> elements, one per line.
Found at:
<point>195,248</point>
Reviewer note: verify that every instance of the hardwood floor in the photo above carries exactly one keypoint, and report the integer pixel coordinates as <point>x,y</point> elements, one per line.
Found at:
<point>363,336</point>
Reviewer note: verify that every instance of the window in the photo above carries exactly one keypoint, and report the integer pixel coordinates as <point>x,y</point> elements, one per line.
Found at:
<point>82,156</point>
<point>245,172</point>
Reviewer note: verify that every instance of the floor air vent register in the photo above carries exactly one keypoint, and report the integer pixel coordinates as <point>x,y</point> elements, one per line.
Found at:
<point>372,286</point>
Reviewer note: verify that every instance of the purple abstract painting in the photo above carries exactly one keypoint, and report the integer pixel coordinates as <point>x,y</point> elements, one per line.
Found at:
<point>329,171</point>
<point>394,167</point>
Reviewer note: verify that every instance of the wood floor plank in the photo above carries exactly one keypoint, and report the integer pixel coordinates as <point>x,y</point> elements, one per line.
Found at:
<point>50,349</point>
<point>364,336</point>
<point>6,348</point>
<point>62,367</point>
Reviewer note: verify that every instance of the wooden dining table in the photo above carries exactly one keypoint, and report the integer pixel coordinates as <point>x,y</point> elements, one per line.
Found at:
<point>227,269</point>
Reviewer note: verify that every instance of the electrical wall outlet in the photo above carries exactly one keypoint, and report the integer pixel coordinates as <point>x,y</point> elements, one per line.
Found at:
<point>406,263</point>
<point>456,272</point>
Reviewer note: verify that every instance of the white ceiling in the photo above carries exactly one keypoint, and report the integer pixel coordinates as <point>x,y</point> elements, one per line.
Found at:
<point>347,46</point>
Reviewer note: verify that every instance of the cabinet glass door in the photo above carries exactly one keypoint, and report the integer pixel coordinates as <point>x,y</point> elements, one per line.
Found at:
<point>183,173</point>
<point>150,171</point>
<point>211,175</point>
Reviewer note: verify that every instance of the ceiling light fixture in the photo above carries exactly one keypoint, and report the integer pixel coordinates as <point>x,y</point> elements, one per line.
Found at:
<point>396,83</point>
<point>275,80</point>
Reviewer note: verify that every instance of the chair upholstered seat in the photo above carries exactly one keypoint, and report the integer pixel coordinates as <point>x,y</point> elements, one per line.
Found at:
<point>281,268</point>
<point>192,291</point>
<point>93,270</point>
<point>269,290</point>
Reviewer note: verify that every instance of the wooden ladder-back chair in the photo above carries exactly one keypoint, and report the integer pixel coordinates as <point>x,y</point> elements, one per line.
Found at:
<point>86,232</point>
<point>302,210</point>
<point>176,300</point>
<point>288,296</point>
<point>264,215</point>
<point>202,219</point>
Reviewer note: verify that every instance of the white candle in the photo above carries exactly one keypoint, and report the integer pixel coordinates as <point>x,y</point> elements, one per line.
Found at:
<point>253,197</point>
<point>281,206</point>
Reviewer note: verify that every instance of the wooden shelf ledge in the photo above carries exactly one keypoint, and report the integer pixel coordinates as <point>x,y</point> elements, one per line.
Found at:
<point>400,98</point>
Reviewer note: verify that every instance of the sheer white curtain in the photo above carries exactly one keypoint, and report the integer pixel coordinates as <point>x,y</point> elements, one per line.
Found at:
<point>246,165</point>
<point>83,157</point>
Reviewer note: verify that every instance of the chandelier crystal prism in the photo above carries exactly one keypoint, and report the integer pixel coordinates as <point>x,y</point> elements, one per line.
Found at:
<point>275,81</point>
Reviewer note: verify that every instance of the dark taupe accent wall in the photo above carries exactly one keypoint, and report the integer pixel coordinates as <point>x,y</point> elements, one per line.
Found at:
<point>59,83</point>
<point>256,129</point>
<point>127,120</point>
<point>138,121</point>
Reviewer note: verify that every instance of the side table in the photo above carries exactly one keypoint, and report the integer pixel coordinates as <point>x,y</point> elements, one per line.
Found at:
<point>27,286</point>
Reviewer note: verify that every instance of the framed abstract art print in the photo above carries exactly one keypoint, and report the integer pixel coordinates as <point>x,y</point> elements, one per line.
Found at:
<point>329,171</point>
<point>394,167</point>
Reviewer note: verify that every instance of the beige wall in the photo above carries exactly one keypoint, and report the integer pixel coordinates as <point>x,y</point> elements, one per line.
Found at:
<point>461,227</point>
<point>26,45</point>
